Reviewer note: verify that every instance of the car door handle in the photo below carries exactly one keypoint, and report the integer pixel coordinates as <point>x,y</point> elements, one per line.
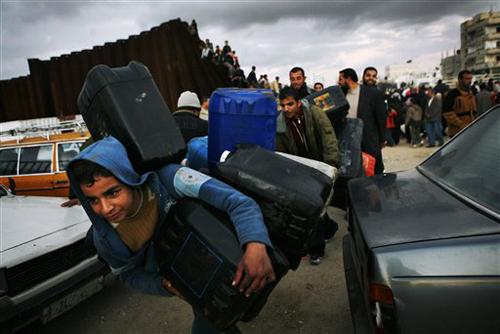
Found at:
<point>61,181</point>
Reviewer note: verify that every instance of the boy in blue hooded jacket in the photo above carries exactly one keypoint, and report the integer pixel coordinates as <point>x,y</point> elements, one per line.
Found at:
<point>126,209</point>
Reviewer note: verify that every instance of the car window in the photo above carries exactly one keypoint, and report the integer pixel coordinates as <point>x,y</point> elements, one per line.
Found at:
<point>35,159</point>
<point>470,164</point>
<point>66,152</point>
<point>8,161</point>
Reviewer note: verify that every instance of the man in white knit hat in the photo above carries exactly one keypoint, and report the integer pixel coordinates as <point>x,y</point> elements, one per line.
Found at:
<point>187,116</point>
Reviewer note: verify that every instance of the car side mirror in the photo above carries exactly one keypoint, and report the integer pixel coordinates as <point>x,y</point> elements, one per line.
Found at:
<point>12,185</point>
<point>4,191</point>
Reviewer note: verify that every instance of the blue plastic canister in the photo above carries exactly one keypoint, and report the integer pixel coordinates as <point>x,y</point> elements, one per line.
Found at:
<point>197,153</point>
<point>240,116</point>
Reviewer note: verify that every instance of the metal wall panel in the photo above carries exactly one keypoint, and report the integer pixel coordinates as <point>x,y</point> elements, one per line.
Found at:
<point>169,51</point>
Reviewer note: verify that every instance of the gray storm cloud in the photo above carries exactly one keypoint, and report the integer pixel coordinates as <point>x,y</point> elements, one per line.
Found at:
<point>272,34</point>
<point>240,14</point>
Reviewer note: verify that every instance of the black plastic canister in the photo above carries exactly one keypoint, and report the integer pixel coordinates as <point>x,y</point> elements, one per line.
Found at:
<point>291,195</point>
<point>331,100</point>
<point>124,102</point>
<point>198,251</point>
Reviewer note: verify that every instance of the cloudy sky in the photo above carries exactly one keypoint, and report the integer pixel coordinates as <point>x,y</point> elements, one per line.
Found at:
<point>321,36</point>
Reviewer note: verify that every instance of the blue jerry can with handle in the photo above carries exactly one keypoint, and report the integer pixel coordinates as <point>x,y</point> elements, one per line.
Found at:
<point>240,116</point>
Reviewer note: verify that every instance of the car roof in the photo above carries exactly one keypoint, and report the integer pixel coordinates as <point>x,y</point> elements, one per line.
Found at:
<point>54,138</point>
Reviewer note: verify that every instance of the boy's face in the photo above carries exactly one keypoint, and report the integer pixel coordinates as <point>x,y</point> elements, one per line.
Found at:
<point>111,199</point>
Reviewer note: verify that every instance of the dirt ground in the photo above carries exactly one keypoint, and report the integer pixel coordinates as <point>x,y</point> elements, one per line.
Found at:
<point>312,299</point>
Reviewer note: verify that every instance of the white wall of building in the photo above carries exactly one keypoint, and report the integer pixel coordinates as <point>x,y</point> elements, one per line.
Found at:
<point>411,72</point>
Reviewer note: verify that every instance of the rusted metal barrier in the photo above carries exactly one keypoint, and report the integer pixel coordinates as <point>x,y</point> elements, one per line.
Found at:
<point>168,50</point>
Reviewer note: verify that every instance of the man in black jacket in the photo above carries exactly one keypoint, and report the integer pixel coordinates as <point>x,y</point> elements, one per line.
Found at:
<point>370,76</point>
<point>298,82</point>
<point>187,116</point>
<point>252,77</point>
<point>366,103</point>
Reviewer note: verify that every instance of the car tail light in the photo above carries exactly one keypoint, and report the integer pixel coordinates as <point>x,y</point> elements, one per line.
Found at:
<point>383,309</point>
<point>381,293</point>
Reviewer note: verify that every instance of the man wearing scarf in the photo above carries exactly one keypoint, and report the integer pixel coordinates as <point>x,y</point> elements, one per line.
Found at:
<point>459,106</point>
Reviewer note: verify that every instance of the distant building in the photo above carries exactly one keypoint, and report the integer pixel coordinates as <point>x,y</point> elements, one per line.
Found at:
<point>450,66</point>
<point>480,44</point>
<point>410,72</point>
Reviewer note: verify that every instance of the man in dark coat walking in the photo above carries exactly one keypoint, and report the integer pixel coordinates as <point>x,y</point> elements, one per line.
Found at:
<point>433,112</point>
<point>366,103</point>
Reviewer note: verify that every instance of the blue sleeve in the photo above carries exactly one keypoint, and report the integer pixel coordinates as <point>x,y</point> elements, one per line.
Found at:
<point>243,211</point>
<point>132,272</point>
<point>144,281</point>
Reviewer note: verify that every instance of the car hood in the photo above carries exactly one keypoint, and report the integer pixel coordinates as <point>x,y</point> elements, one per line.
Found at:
<point>408,207</point>
<point>26,219</point>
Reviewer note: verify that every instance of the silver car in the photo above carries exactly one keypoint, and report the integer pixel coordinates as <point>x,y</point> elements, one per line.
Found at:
<point>423,252</point>
<point>46,264</point>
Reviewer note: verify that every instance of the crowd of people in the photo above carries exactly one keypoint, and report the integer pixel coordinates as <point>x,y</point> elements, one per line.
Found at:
<point>422,115</point>
<point>425,115</point>
<point>418,113</point>
<point>306,131</point>
<point>224,56</point>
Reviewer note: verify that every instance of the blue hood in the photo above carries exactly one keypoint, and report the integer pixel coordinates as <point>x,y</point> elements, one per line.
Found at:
<point>169,183</point>
<point>110,154</point>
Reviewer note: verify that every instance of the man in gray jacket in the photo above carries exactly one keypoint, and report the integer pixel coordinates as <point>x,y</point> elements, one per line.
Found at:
<point>484,99</point>
<point>413,120</point>
<point>433,112</point>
